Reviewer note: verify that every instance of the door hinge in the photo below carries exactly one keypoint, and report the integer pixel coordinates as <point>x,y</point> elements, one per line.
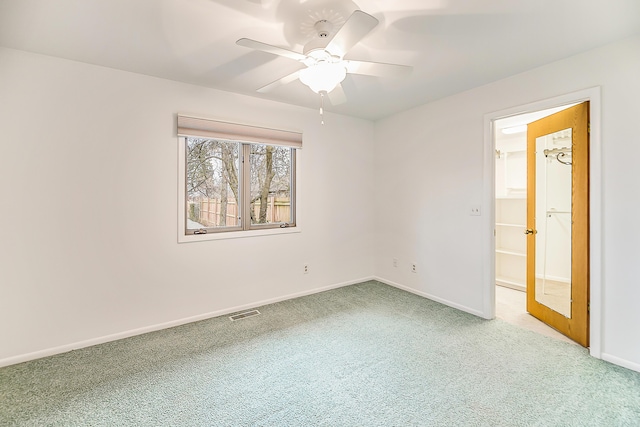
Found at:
<point>589,307</point>
<point>589,127</point>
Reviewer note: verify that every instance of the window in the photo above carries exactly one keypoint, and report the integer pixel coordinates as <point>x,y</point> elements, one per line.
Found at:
<point>233,181</point>
<point>213,185</point>
<point>271,172</point>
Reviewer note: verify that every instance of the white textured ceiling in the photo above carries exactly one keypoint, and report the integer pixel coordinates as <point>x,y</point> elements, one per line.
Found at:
<point>453,45</point>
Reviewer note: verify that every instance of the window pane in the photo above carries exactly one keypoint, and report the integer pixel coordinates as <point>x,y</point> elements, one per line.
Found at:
<point>212,183</point>
<point>271,178</point>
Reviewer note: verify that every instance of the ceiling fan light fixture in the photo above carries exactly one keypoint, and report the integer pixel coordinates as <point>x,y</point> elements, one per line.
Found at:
<point>323,76</point>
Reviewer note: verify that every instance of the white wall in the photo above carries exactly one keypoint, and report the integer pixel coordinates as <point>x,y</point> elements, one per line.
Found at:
<point>429,163</point>
<point>87,152</point>
<point>429,160</point>
<point>88,177</point>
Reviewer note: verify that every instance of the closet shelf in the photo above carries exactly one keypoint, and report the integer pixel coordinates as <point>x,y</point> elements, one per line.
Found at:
<point>508,224</point>
<point>508,252</point>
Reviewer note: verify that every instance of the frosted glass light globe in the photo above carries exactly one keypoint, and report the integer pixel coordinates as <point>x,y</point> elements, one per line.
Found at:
<point>324,76</point>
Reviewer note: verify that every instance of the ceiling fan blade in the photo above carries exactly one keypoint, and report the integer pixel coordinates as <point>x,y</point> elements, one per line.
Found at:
<point>253,44</point>
<point>357,26</point>
<point>282,81</point>
<point>377,69</point>
<point>337,95</point>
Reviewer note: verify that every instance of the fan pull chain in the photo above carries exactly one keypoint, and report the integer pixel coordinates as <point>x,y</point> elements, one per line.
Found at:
<point>322,108</point>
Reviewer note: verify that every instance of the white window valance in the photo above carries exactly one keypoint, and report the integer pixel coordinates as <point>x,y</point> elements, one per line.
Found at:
<point>206,128</point>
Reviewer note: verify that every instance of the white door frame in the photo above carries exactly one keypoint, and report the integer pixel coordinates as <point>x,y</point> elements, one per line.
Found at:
<point>595,205</point>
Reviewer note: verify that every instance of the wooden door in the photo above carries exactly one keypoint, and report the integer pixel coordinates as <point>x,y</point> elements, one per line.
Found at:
<point>558,221</point>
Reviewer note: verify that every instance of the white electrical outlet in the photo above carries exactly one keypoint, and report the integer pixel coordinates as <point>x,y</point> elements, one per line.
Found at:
<point>306,268</point>
<point>414,267</point>
<point>395,262</point>
<point>475,211</point>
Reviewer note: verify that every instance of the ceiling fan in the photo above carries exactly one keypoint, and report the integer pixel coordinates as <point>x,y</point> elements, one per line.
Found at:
<point>323,57</point>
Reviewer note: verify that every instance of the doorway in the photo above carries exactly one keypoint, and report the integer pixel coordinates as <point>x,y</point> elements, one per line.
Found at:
<point>512,197</point>
<point>514,192</point>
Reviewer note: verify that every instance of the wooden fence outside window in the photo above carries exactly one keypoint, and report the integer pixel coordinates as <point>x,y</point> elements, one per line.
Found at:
<point>210,212</point>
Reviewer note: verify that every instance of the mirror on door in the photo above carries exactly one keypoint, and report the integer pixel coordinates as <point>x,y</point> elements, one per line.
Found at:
<point>553,221</point>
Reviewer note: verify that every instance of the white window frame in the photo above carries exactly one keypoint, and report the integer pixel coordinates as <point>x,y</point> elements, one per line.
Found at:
<point>252,230</point>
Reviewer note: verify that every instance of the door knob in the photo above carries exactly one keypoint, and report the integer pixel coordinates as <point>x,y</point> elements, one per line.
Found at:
<point>530,231</point>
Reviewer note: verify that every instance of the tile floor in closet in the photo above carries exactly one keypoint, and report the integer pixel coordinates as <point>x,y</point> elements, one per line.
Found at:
<point>511,307</point>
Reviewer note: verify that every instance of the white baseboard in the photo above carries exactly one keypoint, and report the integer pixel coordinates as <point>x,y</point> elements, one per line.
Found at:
<point>157,327</point>
<point>621,362</point>
<point>452,304</point>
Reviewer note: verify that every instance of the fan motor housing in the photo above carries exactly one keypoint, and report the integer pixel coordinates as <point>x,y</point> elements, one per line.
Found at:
<point>315,48</point>
<point>323,28</point>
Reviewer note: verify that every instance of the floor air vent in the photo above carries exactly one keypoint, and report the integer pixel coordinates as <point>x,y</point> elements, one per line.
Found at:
<point>244,315</point>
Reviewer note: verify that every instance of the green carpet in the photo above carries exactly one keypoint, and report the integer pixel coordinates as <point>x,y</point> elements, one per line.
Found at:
<point>363,355</point>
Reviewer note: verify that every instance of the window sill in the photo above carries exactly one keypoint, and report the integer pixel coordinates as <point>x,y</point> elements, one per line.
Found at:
<point>236,234</point>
